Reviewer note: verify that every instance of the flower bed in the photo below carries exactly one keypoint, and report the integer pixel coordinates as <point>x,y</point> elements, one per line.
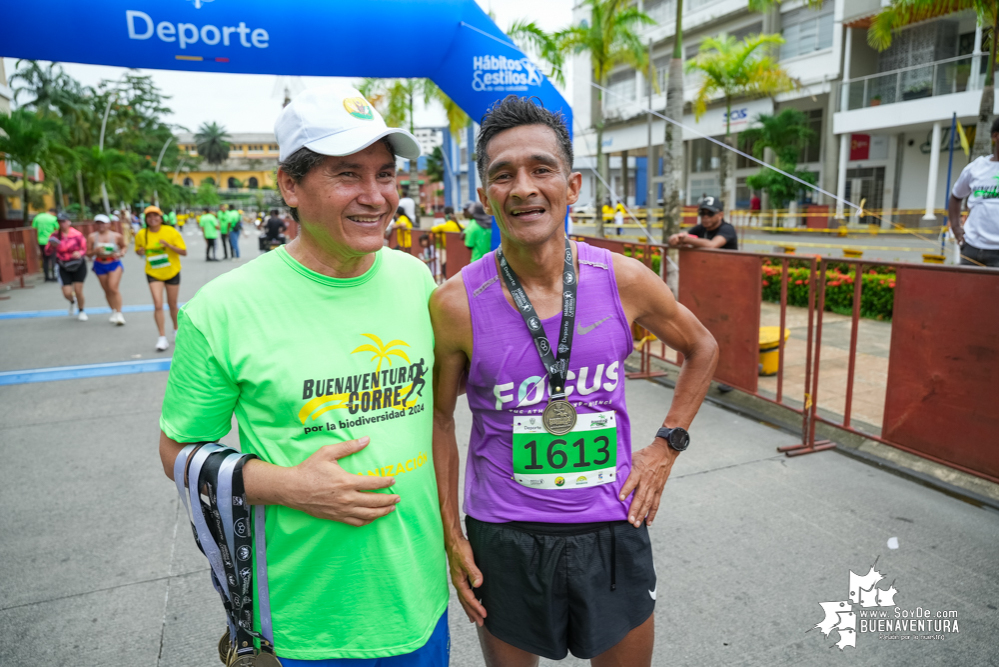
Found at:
<point>876,300</point>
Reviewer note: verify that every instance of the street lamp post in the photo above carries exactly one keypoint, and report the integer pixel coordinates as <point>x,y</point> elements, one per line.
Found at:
<point>104,124</point>
<point>159,162</point>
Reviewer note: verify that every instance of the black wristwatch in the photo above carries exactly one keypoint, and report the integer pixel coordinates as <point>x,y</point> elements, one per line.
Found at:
<point>676,438</point>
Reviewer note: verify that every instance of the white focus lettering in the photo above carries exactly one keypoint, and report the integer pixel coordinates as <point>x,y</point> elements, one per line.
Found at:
<point>611,385</point>
<point>581,385</point>
<point>533,384</point>
<point>166,32</point>
<point>259,38</point>
<point>226,31</point>
<point>206,31</point>
<point>571,375</point>
<point>188,33</point>
<point>130,16</point>
<point>502,398</point>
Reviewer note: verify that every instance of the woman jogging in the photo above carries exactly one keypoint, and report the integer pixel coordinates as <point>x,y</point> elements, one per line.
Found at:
<point>107,247</point>
<point>70,248</point>
<point>162,246</point>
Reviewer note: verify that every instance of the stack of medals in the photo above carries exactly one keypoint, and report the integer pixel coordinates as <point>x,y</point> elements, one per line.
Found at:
<point>209,479</point>
<point>559,416</point>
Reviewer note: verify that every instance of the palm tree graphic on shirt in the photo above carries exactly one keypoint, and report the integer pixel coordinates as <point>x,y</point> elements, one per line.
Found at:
<point>383,351</point>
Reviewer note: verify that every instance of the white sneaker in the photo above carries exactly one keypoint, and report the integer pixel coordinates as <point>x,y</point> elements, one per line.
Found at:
<point>114,317</point>
<point>162,344</point>
<point>82,316</point>
<point>120,319</point>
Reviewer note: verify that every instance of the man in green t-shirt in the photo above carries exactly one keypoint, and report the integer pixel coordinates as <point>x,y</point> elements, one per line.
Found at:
<point>46,224</point>
<point>210,228</point>
<point>332,393</point>
<point>224,229</point>
<point>479,233</point>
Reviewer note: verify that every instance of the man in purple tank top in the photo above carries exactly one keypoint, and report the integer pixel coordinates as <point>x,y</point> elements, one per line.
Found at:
<point>558,556</point>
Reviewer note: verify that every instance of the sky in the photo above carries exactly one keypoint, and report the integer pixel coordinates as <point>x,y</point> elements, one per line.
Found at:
<point>250,103</point>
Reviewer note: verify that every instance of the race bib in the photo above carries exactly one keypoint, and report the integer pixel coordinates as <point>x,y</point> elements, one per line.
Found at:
<point>585,456</point>
<point>109,248</point>
<point>160,261</point>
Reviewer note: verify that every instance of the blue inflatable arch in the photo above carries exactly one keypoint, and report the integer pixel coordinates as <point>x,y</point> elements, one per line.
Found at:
<point>452,42</point>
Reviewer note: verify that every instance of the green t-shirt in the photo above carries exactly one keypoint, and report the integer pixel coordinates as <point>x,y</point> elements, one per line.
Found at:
<point>478,239</point>
<point>171,219</point>
<point>326,361</point>
<point>210,224</point>
<point>46,224</point>
<point>224,221</point>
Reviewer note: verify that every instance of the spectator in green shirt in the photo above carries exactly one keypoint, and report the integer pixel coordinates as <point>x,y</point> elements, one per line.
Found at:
<point>46,224</point>
<point>210,228</point>
<point>479,232</point>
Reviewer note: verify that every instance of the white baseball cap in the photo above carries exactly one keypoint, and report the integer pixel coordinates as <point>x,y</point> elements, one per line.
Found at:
<point>337,120</point>
<point>100,217</point>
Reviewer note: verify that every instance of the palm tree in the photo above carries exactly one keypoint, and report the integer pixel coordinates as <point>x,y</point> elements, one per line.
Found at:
<point>906,12</point>
<point>394,99</point>
<point>27,139</point>
<point>210,140</point>
<point>611,39</point>
<point>543,45</point>
<point>735,69</point>
<point>785,134</point>
<point>673,141</point>
<point>110,167</point>
<point>50,87</point>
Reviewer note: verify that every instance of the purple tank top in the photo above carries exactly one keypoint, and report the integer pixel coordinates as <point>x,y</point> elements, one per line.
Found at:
<point>506,379</point>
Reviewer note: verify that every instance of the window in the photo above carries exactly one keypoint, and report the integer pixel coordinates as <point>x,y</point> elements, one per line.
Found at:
<point>806,30</point>
<point>661,11</point>
<point>252,183</point>
<point>192,150</point>
<point>704,155</point>
<point>751,29</point>
<point>188,182</point>
<point>209,180</point>
<point>810,152</point>
<point>661,67</point>
<point>233,182</point>
<point>621,88</point>
<point>255,148</point>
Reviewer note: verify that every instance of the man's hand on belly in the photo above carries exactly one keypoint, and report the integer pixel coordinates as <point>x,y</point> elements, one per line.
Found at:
<point>650,468</point>
<point>321,488</point>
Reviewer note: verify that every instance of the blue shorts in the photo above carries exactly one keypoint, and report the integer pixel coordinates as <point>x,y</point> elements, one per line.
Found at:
<point>101,268</point>
<point>435,653</point>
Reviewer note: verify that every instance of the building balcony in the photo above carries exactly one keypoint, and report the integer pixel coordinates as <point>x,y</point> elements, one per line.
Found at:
<point>944,77</point>
<point>913,95</point>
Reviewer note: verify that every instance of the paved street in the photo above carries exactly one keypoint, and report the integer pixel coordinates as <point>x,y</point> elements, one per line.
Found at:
<point>98,565</point>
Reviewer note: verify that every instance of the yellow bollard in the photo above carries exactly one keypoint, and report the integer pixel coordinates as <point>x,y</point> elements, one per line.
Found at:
<point>769,349</point>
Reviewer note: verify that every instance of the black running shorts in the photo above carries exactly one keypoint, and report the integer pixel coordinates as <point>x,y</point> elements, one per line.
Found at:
<point>552,588</point>
<point>169,281</point>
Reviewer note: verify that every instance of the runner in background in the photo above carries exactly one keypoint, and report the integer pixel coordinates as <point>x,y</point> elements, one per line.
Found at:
<point>171,219</point>
<point>162,246</point>
<point>224,230</point>
<point>235,227</point>
<point>479,233</point>
<point>450,224</point>
<point>45,224</point>
<point>403,224</point>
<point>70,249</point>
<point>210,230</point>
<point>107,247</point>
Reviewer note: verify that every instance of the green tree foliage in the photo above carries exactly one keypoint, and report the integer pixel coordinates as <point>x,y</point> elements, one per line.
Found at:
<point>435,166</point>
<point>734,68</point>
<point>208,195</point>
<point>546,47</point>
<point>27,138</point>
<point>111,167</point>
<point>212,146</point>
<point>785,134</point>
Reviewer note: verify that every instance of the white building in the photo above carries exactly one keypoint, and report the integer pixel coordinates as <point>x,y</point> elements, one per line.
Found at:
<point>882,120</point>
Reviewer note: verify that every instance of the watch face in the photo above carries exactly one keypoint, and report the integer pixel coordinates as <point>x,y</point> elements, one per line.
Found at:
<point>679,439</point>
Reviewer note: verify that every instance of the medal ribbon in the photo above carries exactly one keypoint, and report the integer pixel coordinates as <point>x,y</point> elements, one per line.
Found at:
<point>557,364</point>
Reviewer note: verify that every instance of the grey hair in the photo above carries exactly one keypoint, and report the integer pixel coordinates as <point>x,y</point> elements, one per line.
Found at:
<point>301,162</point>
<point>513,111</point>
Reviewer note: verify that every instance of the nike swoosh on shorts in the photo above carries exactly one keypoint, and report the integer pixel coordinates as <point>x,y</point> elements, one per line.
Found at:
<point>652,593</point>
<point>582,331</point>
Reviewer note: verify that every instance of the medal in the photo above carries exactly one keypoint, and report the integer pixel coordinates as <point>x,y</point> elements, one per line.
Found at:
<point>560,416</point>
<point>262,659</point>
<point>224,647</point>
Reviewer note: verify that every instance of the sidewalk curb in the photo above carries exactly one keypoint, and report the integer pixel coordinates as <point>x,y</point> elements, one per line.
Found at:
<point>854,451</point>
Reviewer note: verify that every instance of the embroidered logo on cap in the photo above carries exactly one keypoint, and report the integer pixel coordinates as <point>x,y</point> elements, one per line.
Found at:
<point>358,107</point>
